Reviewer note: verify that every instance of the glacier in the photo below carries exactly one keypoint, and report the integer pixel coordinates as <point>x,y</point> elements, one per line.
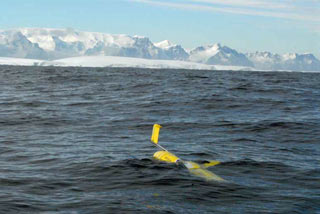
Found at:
<point>20,61</point>
<point>60,47</point>
<point>118,62</point>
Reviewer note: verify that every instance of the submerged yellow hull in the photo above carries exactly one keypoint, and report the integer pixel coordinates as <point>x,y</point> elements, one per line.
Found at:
<point>194,168</point>
<point>200,171</point>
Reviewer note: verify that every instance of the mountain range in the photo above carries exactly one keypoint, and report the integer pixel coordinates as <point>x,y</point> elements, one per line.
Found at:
<point>52,44</point>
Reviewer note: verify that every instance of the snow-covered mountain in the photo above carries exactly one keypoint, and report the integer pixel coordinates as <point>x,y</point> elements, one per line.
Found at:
<point>174,52</point>
<point>270,61</point>
<point>60,43</point>
<point>40,43</point>
<point>15,44</point>
<point>52,44</point>
<point>219,55</point>
<point>265,60</point>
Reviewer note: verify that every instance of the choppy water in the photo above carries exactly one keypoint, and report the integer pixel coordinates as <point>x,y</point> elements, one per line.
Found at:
<point>76,140</point>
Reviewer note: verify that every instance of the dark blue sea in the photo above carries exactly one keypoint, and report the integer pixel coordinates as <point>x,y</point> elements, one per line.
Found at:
<point>77,141</point>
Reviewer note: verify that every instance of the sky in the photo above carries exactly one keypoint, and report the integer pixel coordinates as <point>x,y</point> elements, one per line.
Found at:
<point>279,26</point>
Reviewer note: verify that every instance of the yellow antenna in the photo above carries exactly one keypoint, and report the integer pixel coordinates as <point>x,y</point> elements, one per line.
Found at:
<point>155,133</point>
<point>155,136</point>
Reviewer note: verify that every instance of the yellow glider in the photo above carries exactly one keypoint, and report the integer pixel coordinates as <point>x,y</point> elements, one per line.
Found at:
<point>194,168</point>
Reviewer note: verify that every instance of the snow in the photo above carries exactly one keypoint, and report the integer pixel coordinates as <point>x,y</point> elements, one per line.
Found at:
<point>205,54</point>
<point>44,37</point>
<point>166,44</point>
<point>289,56</point>
<point>53,44</point>
<point>19,61</point>
<point>40,36</point>
<point>114,61</point>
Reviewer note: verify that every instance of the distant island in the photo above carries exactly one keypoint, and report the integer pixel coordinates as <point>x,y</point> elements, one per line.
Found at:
<point>68,47</point>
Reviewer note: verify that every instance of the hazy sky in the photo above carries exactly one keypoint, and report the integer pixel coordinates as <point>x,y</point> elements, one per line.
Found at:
<point>246,25</point>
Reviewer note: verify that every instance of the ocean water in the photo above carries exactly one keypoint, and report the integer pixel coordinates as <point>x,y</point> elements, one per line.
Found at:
<point>77,140</point>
